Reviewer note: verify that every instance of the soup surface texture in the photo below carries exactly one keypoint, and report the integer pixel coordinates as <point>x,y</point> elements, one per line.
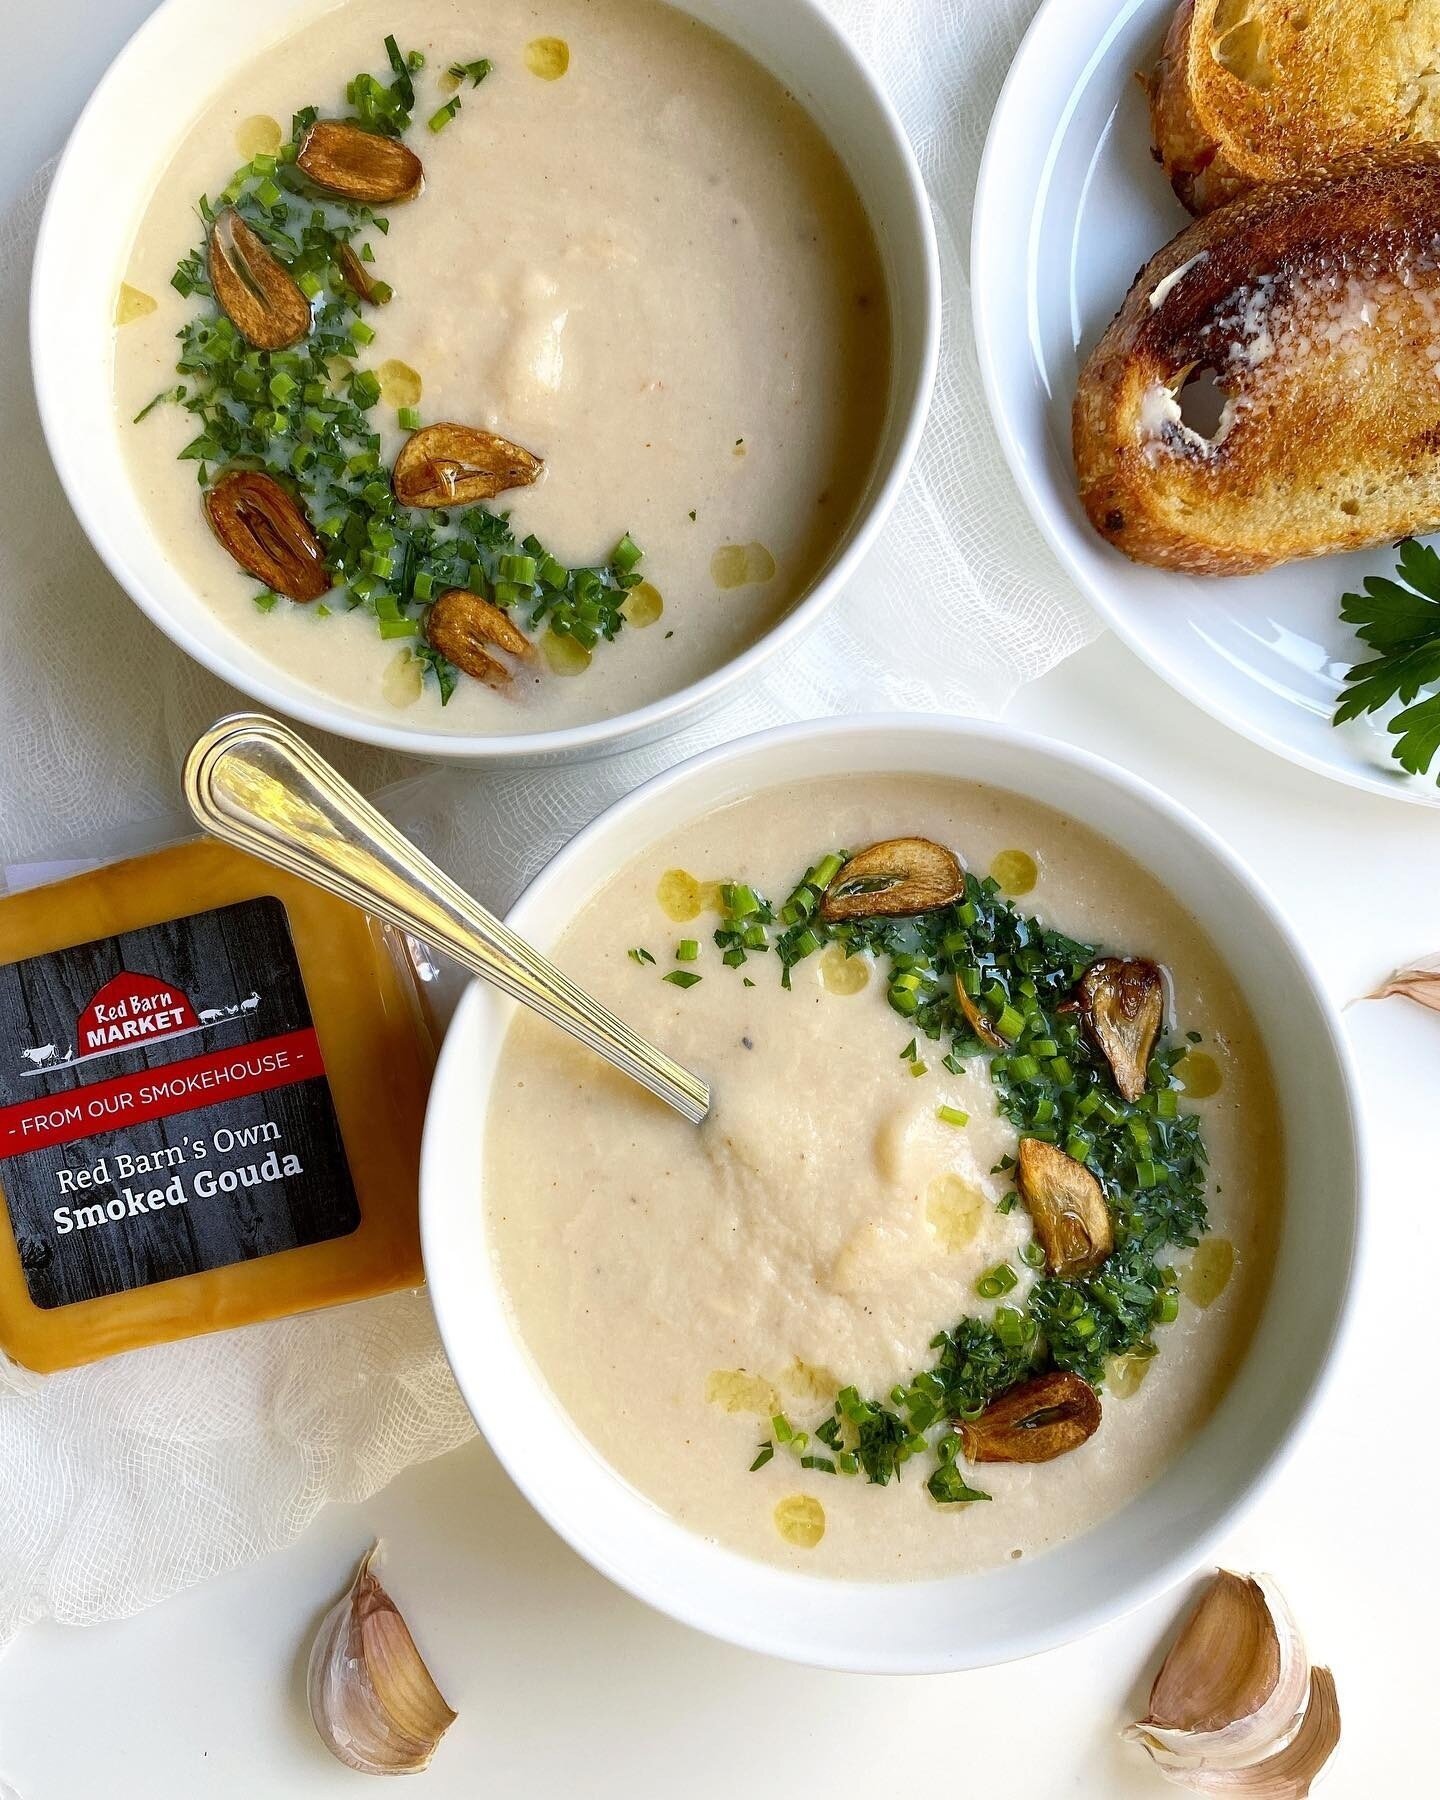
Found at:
<point>650,270</point>
<point>826,1222</point>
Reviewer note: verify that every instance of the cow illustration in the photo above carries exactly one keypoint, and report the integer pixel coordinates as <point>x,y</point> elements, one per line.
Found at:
<point>40,1055</point>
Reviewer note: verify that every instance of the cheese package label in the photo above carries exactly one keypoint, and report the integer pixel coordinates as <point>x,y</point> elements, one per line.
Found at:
<point>212,1086</point>
<point>164,1106</point>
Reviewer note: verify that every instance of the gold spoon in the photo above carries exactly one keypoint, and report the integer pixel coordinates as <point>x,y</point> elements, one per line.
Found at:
<point>254,783</point>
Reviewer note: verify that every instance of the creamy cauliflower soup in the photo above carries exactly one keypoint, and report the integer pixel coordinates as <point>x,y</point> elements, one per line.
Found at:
<point>584,264</point>
<point>905,1305</point>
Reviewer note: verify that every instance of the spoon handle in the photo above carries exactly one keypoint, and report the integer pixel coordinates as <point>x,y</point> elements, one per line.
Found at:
<point>254,783</point>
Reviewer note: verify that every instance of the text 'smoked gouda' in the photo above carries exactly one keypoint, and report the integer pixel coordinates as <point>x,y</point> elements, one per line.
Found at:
<point>212,1085</point>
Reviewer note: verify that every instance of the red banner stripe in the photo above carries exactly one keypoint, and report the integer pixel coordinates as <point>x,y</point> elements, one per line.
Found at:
<point>160,1093</point>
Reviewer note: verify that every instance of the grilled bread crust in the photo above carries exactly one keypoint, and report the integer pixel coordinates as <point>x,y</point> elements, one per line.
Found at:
<point>1247,91</point>
<point>1314,305</point>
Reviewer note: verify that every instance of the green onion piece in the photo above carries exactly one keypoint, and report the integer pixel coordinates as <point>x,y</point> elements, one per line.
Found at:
<point>640,955</point>
<point>1009,1023</point>
<point>408,418</point>
<point>766,1452</point>
<point>475,71</point>
<point>682,978</point>
<point>951,1115</point>
<point>439,120</point>
<point>687,950</point>
<point>626,554</point>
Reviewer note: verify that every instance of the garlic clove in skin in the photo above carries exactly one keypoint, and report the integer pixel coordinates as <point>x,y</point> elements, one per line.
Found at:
<point>1234,1708</point>
<point>1288,1773</point>
<point>374,1703</point>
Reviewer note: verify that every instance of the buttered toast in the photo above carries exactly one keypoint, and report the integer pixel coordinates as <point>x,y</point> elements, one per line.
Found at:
<point>1248,91</point>
<point>1313,308</point>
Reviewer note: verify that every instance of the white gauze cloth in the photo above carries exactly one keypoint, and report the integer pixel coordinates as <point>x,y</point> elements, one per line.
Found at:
<point>144,1474</point>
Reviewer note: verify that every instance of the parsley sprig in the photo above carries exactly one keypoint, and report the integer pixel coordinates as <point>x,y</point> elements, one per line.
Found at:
<point>1400,620</point>
<point>305,415</point>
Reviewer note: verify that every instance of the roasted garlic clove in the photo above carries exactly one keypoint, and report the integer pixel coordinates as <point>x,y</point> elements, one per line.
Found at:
<point>355,275</point>
<point>360,165</point>
<point>258,293</point>
<point>976,1019</point>
<point>894,880</point>
<point>373,1701</point>
<point>1236,1707</point>
<point>464,629</point>
<point>266,530</point>
<point>455,465</point>
<point>1123,1001</point>
<point>1045,1417</point>
<point>1066,1205</point>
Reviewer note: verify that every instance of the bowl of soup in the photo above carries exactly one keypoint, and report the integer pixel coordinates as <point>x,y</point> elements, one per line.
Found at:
<point>1012,1253</point>
<point>509,380</point>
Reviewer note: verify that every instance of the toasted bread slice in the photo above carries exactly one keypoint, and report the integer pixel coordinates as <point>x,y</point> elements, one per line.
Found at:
<point>1258,90</point>
<point>1313,307</point>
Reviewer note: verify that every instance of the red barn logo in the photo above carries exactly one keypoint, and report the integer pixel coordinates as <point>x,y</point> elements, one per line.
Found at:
<point>132,1009</point>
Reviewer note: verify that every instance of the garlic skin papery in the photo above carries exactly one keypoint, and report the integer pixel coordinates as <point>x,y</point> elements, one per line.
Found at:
<point>373,1701</point>
<point>1419,982</point>
<point>1236,1708</point>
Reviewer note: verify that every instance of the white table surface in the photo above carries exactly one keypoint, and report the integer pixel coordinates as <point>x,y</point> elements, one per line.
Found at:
<point>564,1685</point>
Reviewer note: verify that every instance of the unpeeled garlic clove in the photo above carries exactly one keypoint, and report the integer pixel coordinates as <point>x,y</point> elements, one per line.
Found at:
<point>1234,1708</point>
<point>1288,1773</point>
<point>373,1701</point>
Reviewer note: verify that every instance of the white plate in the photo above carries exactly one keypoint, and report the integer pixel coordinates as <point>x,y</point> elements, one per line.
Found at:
<point>1070,205</point>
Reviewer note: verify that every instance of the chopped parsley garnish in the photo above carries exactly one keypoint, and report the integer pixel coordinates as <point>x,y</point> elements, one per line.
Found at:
<point>1400,620</point>
<point>304,414</point>
<point>1051,1083</point>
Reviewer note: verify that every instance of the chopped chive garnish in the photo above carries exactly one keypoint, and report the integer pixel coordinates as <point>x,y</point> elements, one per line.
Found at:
<point>687,950</point>
<point>1000,1280</point>
<point>641,955</point>
<point>1051,1083</point>
<point>473,72</point>
<point>765,1453</point>
<point>682,978</point>
<point>439,120</point>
